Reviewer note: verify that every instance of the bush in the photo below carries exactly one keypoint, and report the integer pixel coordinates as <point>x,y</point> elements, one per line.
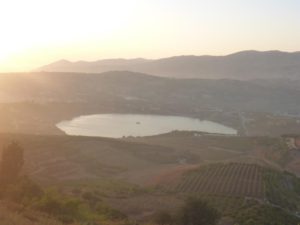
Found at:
<point>163,218</point>
<point>23,191</point>
<point>63,208</point>
<point>197,212</point>
<point>109,213</point>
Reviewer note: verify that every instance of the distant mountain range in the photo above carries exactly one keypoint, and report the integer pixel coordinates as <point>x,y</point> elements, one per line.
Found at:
<point>241,65</point>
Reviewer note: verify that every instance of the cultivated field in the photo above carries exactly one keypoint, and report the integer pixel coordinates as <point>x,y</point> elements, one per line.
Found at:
<point>234,179</point>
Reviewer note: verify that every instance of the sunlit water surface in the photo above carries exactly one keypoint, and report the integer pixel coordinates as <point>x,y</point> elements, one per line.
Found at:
<point>119,125</point>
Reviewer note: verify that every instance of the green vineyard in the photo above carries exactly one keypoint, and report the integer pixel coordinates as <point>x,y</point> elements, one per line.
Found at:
<point>234,179</point>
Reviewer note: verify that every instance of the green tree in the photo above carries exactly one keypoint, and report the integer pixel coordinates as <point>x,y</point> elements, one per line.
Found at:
<point>197,212</point>
<point>11,163</point>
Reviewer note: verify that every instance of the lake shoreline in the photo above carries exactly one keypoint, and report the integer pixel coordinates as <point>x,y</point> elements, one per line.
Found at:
<point>118,125</point>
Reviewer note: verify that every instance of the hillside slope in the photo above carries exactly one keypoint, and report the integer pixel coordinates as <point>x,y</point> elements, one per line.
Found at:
<point>135,90</point>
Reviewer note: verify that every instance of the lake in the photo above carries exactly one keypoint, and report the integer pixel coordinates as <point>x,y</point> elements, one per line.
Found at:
<point>119,125</point>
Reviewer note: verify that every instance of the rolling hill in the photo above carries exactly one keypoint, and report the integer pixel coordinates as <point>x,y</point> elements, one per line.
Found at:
<point>167,94</point>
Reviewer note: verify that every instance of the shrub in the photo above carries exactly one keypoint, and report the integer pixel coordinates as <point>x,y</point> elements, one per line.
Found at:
<point>163,218</point>
<point>197,212</point>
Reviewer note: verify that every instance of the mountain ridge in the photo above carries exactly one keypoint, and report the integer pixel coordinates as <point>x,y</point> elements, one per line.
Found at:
<point>242,65</point>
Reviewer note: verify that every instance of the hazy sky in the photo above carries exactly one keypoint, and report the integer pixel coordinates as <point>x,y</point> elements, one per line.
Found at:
<point>37,32</point>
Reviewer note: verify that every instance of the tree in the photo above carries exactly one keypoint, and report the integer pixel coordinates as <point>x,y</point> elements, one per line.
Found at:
<point>197,212</point>
<point>163,218</point>
<point>11,163</point>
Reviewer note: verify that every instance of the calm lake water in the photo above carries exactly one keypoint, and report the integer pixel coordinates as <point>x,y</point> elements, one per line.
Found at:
<point>119,125</point>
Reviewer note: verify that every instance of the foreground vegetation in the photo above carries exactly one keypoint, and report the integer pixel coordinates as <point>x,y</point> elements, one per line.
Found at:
<point>231,193</point>
<point>27,196</point>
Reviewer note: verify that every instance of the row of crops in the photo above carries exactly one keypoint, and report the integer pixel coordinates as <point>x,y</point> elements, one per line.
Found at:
<point>234,179</point>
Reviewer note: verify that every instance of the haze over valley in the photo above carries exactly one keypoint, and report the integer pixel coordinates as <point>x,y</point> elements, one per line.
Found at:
<point>135,112</point>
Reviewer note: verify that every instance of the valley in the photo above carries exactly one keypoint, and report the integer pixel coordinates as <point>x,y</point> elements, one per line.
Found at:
<point>140,174</point>
<point>252,108</point>
<point>127,112</point>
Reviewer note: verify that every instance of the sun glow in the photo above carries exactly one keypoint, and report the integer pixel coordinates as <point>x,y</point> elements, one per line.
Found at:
<point>39,25</point>
<point>37,32</point>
